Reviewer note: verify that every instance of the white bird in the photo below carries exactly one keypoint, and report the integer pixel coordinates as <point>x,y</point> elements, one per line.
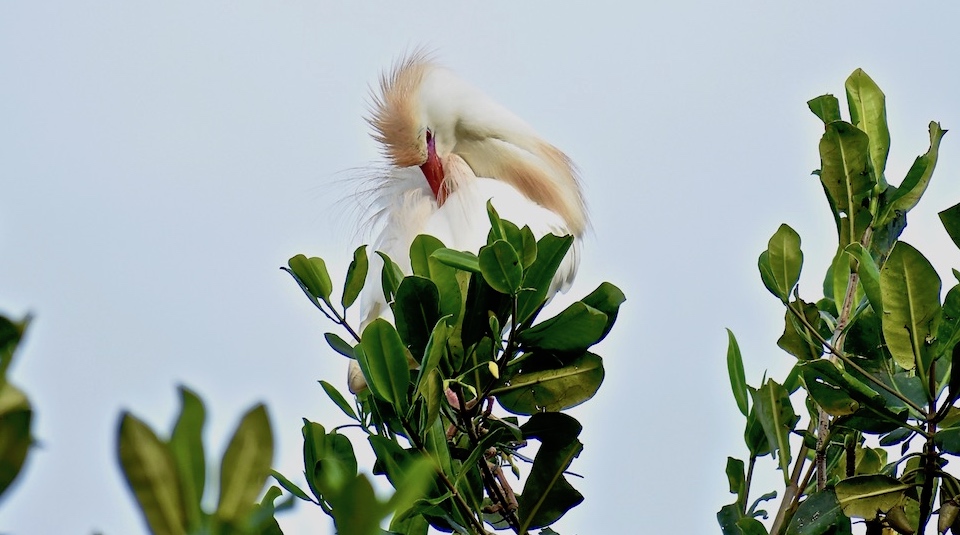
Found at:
<point>450,149</point>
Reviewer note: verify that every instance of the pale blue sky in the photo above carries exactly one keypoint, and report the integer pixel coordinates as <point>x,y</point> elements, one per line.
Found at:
<point>160,160</point>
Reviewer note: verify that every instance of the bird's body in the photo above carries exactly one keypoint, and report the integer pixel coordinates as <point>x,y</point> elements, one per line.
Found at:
<point>450,149</point>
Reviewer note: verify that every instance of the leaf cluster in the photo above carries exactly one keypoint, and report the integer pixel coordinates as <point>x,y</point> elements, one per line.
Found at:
<point>877,356</point>
<point>466,334</point>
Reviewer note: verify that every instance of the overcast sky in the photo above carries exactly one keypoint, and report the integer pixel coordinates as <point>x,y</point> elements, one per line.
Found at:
<point>160,160</point>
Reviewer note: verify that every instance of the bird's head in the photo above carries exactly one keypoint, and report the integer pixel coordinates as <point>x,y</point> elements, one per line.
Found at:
<point>423,115</point>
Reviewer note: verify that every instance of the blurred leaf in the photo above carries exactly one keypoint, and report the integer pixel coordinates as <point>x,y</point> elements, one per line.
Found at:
<point>417,479</point>
<point>918,177</point>
<point>186,445</point>
<point>340,345</point>
<point>574,330</point>
<point>245,465</point>
<point>10,335</point>
<point>416,309</point>
<point>868,112</point>
<point>328,460</point>
<point>356,509</point>
<point>786,259</point>
<point>15,420</point>
<point>501,267</point>
<point>337,398</point>
<point>775,413</point>
<point>356,277</point>
<point>819,514</point>
<point>826,107</point>
<point>607,298</point>
<point>312,272</point>
<point>738,381</point>
<point>551,251</point>
<point>911,297</point>
<point>552,389</point>
<point>458,259</point>
<point>386,362</point>
<point>151,473</point>
<point>865,496</point>
<point>951,222</point>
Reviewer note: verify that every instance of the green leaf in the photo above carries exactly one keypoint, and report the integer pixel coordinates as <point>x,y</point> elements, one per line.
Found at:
<point>312,272</point>
<point>384,361</point>
<point>819,514</point>
<point>775,413</point>
<point>551,251</point>
<point>337,398</point>
<point>356,509</point>
<point>948,432</point>
<point>416,309</point>
<point>607,298</point>
<point>737,480</point>
<point>15,420</point>
<point>868,112</point>
<point>421,249</point>
<point>786,259</point>
<point>865,496</point>
<point>245,465</point>
<point>766,275</point>
<point>289,486</point>
<point>869,274</point>
<point>356,277</point>
<point>574,330</point>
<point>552,389</point>
<point>186,445</point>
<point>501,267</point>
<point>826,107</point>
<point>458,259</point>
<point>910,289</point>
<point>340,345</point>
<point>844,173</point>
<point>151,473</point>
<point>951,223</point>
<point>547,494</point>
<point>10,335</point>
<point>390,277</point>
<point>918,178</point>
<point>328,460</point>
<point>795,338</point>
<point>738,381</point>
<point>496,225</point>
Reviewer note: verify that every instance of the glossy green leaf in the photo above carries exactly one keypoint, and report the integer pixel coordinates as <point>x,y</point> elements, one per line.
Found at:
<point>547,494</point>
<point>186,445</point>
<point>753,434</point>
<point>869,274</point>
<point>948,327</point>
<point>844,173</point>
<point>574,330</point>
<point>421,249</point>
<point>737,481</point>
<point>390,277</point>
<point>607,298</point>
<point>501,267</point>
<point>766,275</point>
<point>445,277</point>
<point>775,413</point>
<point>245,465</point>
<point>312,272</point>
<point>911,298</point>
<point>337,398</point>
<point>15,421</point>
<point>868,112</point>
<point>795,338</point>
<point>496,224</point>
<point>551,251</point>
<point>356,277</point>
<point>386,361</point>
<point>918,178</point>
<point>416,310</point>
<point>458,259</point>
<point>339,345</point>
<point>786,259</point>
<point>151,473</point>
<point>820,514</point>
<point>552,389</point>
<point>738,381</point>
<point>826,107</point>
<point>865,496</point>
<point>948,432</point>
